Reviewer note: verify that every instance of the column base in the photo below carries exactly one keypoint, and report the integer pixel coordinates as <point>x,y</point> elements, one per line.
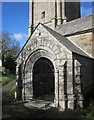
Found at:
<point>65,20</point>
<point>71,102</point>
<point>59,21</point>
<point>62,106</point>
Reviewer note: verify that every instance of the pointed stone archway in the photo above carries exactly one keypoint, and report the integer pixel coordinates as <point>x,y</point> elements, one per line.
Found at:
<point>43,79</point>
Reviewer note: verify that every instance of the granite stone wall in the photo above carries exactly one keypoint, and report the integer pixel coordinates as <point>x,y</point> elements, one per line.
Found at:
<point>45,45</point>
<point>84,41</point>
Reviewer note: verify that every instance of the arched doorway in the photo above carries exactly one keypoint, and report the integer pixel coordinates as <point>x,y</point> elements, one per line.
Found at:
<point>43,79</point>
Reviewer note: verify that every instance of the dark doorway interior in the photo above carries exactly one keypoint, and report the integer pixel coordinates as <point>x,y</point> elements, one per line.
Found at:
<point>43,79</point>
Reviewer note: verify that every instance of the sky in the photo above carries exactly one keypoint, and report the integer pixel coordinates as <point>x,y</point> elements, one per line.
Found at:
<point>15,18</point>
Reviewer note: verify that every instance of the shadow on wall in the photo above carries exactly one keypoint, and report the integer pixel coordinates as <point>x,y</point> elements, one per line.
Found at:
<point>87,78</point>
<point>70,8</point>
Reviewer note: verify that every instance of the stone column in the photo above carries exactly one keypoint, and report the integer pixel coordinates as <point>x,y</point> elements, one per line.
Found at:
<point>59,19</point>
<point>23,90</point>
<point>78,90</point>
<point>64,19</point>
<point>18,94</point>
<point>16,82</point>
<point>56,100</point>
<point>61,88</point>
<point>31,19</point>
<point>29,27</point>
<point>31,85</point>
<point>70,93</point>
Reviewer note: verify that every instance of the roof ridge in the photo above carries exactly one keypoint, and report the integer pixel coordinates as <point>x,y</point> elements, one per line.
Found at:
<point>72,43</point>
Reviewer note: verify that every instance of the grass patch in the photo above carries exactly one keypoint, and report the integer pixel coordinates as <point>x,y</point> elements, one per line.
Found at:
<point>2,69</point>
<point>90,111</point>
<point>6,79</point>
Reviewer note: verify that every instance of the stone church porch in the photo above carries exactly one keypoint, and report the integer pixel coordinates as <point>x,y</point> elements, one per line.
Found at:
<point>50,63</point>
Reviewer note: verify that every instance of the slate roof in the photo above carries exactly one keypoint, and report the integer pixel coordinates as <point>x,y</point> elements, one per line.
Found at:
<point>76,26</point>
<point>72,27</point>
<point>67,43</point>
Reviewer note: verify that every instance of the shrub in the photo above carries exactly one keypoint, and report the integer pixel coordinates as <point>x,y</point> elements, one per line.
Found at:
<point>13,90</point>
<point>90,113</point>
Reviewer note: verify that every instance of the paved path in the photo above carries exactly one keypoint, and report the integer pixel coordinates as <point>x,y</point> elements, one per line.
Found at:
<point>18,110</point>
<point>8,87</point>
<point>3,91</point>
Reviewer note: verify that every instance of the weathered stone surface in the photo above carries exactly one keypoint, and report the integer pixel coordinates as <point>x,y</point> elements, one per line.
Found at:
<point>84,41</point>
<point>70,57</point>
<point>76,26</point>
